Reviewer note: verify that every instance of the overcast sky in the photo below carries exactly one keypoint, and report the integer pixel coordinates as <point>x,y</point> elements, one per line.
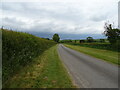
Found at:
<point>67,17</point>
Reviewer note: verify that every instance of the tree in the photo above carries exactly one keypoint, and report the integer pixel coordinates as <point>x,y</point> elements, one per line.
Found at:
<point>90,39</point>
<point>56,37</point>
<point>75,41</point>
<point>82,41</point>
<point>113,35</point>
<point>102,40</point>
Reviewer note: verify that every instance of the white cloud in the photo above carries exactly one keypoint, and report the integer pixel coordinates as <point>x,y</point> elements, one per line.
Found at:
<point>76,17</point>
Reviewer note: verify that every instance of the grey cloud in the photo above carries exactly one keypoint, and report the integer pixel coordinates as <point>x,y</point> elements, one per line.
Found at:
<point>12,23</point>
<point>12,20</point>
<point>60,17</point>
<point>99,18</point>
<point>61,12</point>
<point>13,6</point>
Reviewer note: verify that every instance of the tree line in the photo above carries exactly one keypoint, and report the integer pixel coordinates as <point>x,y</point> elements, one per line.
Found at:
<point>112,34</point>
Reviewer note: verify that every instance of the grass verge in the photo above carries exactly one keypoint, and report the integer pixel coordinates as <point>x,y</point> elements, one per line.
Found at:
<point>46,71</point>
<point>109,56</point>
<point>18,50</point>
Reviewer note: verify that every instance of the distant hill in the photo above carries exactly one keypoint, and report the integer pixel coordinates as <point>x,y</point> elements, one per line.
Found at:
<point>68,36</point>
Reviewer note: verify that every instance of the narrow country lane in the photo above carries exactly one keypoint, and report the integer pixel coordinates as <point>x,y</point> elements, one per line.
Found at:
<point>88,72</point>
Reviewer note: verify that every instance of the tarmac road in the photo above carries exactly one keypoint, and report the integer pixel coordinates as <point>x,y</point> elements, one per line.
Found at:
<point>87,71</point>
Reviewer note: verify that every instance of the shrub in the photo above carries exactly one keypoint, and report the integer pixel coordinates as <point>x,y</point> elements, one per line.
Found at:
<point>102,40</point>
<point>90,39</point>
<point>66,41</point>
<point>82,41</point>
<point>18,49</point>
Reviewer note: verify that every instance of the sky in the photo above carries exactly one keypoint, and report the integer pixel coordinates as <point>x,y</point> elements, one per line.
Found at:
<point>65,17</point>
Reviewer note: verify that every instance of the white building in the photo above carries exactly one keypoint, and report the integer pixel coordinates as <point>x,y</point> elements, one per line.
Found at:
<point>119,14</point>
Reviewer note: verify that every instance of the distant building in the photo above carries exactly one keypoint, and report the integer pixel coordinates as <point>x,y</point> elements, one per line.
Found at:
<point>119,14</point>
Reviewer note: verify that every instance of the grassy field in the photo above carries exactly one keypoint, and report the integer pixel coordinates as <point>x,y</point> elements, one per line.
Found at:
<point>46,71</point>
<point>107,55</point>
<point>98,45</point>
<point>18,50</point>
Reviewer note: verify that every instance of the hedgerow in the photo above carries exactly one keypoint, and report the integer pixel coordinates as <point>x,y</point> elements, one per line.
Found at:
<point>19,49</point>
<point>105,46</point>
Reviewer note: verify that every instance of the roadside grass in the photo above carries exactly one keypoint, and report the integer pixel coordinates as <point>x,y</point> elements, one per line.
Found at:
<point>46,71</point>
<point>107,55</point>
<point>19,49</point>
<point>97,45</point>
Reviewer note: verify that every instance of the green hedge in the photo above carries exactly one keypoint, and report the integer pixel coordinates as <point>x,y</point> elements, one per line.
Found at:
<point>106,46</point>
<point>18,49</point>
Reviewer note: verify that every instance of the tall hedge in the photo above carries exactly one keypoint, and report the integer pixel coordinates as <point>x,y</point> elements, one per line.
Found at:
<point>18,49</point>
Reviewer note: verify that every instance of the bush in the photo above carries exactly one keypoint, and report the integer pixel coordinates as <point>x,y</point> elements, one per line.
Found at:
<point>82,41</point>
<point>66,41</point>
<point>105,46</point>
<point>90,39</point>
<point>102,40</point>
<point>18,49</point>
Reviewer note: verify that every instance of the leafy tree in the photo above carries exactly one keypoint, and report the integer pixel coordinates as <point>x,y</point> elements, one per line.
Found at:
<point>90,39</point>
<point>56,37</point>
<point>102,40</point>
<point>113,35</point>
<point>82,41</point>
<point>75,41</point>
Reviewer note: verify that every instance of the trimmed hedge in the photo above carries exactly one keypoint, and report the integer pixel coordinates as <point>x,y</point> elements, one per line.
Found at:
<point>106,46</point>
<point>18,49</point>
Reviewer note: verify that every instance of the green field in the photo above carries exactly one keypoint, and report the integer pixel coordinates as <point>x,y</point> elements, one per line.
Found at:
<point>107,55</point>
<point>98,45</point>
<point>46,71</point>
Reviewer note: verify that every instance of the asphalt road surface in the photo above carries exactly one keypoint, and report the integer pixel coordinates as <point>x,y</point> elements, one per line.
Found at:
<point>87,71</point>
